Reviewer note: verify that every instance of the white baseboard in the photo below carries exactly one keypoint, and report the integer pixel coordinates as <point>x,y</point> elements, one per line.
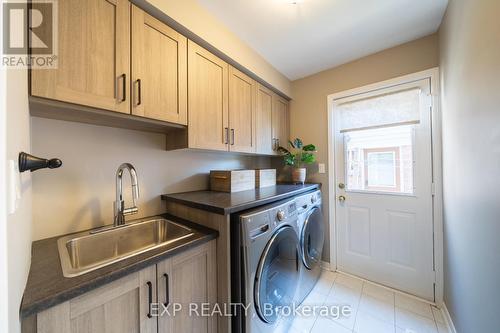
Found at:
<point>447,318</point>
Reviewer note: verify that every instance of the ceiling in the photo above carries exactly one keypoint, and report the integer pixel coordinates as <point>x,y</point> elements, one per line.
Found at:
<point>313,35</point>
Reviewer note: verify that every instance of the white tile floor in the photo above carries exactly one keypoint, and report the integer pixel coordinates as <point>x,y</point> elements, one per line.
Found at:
<point>374,309</point>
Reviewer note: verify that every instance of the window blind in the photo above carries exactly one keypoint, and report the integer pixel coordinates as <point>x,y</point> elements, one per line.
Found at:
<point>398,108</point>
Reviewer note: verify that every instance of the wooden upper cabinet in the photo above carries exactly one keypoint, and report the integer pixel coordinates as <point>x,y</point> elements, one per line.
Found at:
<point>207,99</point>
<point>120,306</point>
<point>242,105</point>
<point>263,121</point>
<point>159,69</point>
<point>280,122</point>
<point>94,56</point>
<point>114,56</point>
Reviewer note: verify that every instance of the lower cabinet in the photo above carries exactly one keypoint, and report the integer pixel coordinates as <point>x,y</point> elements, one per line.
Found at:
<point>121,306</point>
<point>133,303</point>
<point>187,282</point>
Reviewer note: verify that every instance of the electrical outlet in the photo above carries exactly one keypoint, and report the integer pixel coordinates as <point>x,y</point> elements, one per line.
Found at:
<point>321,168</point>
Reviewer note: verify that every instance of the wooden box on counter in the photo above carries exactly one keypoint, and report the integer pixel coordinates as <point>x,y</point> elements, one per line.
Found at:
<point>232,180</point>
<point>265,177</point>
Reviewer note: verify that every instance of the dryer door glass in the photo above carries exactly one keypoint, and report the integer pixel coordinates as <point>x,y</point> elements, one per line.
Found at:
<point>277,275</point>
<point>312,238</point>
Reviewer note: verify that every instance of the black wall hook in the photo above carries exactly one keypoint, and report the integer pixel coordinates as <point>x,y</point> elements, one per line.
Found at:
<point>32,163</point>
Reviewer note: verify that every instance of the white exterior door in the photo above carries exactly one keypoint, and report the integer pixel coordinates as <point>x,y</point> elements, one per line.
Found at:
<point>383,168</point>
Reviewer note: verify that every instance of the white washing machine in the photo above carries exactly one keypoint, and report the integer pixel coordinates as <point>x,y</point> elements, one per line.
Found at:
<point>311,239</point>
<point>271,266</point>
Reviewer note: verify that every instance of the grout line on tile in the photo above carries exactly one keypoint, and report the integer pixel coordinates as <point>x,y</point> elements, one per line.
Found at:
<point>357,307</point>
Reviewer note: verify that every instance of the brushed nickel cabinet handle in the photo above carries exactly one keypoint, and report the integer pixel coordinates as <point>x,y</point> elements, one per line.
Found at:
<point>150,296</point>
<point>226,135</point>
<point>232,136</point>
<point>167,292</point>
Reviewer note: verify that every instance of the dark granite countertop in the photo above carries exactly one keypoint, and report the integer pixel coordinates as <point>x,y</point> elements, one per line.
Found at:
<point>47,286</point>
<point>228,203</point>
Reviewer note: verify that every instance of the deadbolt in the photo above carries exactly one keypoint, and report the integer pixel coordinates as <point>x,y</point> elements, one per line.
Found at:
<point>341,186</point>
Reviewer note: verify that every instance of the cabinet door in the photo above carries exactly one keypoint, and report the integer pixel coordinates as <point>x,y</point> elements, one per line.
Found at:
<point>280,122</point>
<point>207,100</point>
<point>159,69</point>
<point>94,56</point>
<point>120,306</point>
<point>188,278</point>
<point>241,112</point>
<point>263,121</point>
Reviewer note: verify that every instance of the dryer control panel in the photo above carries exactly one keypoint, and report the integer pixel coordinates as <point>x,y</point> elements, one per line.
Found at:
<point>306,201</point>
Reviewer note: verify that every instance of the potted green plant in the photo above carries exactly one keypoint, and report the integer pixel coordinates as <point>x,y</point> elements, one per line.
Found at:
<point>297,157</point>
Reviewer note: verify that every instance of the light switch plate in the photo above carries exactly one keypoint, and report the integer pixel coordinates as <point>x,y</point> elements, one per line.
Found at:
<point>321,168</point>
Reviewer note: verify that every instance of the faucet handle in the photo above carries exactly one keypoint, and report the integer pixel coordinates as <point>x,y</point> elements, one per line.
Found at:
<point>130,211</point>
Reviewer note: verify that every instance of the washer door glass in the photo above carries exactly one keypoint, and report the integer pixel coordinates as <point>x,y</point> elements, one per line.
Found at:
<point>312,238</point>
<point>277,275</point>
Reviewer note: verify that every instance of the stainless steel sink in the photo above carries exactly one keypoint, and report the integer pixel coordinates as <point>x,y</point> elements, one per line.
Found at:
<point>86,251</point>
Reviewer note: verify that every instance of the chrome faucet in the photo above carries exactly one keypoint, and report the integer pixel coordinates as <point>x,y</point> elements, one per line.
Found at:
<point>120,210</point>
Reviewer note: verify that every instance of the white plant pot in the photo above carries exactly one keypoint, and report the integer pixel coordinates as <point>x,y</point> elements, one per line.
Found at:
<point>299,175</point>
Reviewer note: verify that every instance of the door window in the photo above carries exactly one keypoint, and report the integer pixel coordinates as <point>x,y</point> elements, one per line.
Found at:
<point>380,160</point>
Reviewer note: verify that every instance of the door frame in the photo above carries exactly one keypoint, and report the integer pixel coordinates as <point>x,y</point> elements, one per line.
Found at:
<point>4,299</point>
<point>437,200</point>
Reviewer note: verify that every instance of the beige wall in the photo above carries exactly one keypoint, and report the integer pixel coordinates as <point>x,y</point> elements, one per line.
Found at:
<point>194,17</point>
<point>470,71</point>
<point>80,194</point>
<point>308,119</point>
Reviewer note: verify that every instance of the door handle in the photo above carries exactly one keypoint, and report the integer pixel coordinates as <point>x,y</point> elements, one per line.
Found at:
<point>297,260</point>
<point>341,198</point>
